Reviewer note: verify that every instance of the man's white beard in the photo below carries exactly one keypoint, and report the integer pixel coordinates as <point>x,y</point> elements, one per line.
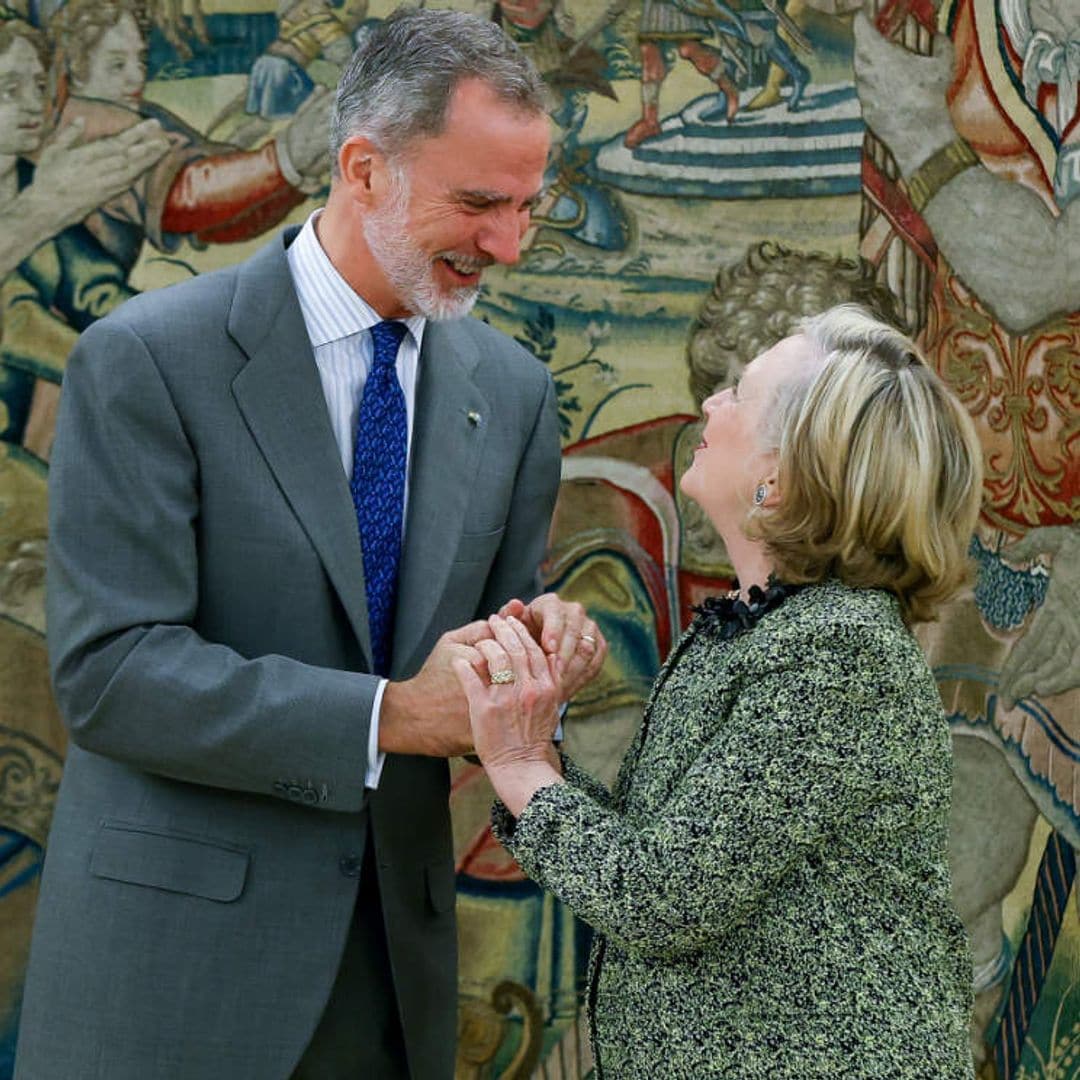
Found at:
<point>406,266</point>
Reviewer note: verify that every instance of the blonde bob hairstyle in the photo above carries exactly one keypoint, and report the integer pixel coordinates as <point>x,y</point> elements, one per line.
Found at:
<point>879,467</point>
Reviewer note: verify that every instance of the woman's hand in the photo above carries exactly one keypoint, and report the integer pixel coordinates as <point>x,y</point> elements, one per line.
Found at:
<point>514,714</point>
<point>563,628</point>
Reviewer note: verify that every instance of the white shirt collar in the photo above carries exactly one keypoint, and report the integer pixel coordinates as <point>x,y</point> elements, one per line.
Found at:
<point>332,309</point>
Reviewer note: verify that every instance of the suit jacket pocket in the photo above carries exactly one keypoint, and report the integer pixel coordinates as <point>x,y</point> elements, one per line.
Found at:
<point>440,886</point>
<point>479,547</point>
<point>170,861</point>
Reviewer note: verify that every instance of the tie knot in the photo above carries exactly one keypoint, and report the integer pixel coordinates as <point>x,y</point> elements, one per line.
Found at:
<point>387,336</point>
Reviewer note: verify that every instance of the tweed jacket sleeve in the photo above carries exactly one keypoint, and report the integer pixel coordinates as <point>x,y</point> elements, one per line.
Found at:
<point>754,757</point>
<point>574,774</point>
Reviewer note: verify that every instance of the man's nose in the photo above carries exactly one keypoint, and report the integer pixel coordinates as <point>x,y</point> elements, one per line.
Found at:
<point>502,235</point>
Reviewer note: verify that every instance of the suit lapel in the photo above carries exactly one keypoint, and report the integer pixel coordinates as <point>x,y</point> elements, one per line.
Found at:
<point>281,398</point>
<point>445,454</point>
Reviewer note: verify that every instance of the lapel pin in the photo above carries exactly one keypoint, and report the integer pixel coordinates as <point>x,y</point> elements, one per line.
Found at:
<point>473,417</point>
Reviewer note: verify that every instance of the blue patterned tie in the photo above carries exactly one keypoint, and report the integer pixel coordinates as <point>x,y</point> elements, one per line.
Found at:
<point>378,486</point>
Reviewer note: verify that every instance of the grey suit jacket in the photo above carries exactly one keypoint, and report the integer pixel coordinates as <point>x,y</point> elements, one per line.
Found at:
<point>209,643</point>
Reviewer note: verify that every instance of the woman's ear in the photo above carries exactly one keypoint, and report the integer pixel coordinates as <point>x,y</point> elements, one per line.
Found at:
<point>771,483</point>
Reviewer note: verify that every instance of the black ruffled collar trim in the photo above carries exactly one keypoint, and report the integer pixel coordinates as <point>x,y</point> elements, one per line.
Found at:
<point>726,616</point>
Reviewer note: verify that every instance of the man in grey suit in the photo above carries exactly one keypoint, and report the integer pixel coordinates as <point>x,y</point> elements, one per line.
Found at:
<point>250,871</point>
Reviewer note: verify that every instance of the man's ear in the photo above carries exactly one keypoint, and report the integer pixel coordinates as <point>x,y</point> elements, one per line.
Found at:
<point>362,169</point>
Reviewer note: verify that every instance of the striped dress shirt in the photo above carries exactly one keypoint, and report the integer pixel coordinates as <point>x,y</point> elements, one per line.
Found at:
<point>338,325</point>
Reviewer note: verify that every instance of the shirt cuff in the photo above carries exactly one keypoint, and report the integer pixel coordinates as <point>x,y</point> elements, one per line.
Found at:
<point>375,757</point>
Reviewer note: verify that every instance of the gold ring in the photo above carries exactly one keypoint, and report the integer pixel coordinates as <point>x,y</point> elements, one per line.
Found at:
<point>589,638</point>
<point>500,678</point>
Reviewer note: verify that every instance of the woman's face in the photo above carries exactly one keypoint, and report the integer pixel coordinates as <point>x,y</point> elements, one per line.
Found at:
<point>729,462</point>
<point>22,99</point>
<point>116,65</point>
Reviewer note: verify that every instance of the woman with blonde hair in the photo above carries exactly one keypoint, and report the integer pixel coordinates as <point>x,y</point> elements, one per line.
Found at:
<point>768,881</point>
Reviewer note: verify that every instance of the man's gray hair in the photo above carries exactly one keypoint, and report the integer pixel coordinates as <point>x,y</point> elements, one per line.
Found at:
<point>398,84</point>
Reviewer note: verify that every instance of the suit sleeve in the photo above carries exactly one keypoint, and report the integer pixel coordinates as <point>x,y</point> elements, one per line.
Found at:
<point>134,680</point>
<point>815,750</point>
<point>515,573</point>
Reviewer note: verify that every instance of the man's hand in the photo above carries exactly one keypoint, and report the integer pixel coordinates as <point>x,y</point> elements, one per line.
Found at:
<point>903,94</point>
<point>73,180</point>
<point>564,630</point>
<point>428,714</point>
<point>1046,660</point>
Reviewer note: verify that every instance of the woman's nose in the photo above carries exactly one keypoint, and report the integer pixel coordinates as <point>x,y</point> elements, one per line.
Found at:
<point>711,402</point>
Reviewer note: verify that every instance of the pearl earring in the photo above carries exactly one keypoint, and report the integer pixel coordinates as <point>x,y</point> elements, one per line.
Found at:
<point>759,494</point>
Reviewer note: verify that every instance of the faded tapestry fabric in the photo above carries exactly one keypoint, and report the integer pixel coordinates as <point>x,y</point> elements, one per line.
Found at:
<point>768,882</point>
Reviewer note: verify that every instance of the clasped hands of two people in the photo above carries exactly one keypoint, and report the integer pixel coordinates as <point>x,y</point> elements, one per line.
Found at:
<point>451,706</point>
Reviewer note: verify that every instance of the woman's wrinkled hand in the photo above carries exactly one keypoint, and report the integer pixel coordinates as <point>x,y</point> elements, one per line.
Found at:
<point>514,711</point>
<point>563,628</point>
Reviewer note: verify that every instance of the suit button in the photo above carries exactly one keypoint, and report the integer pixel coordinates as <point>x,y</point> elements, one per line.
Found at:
<point>349,865</point>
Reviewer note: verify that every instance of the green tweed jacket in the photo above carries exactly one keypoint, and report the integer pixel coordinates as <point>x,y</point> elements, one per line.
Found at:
<point>768,882</point>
